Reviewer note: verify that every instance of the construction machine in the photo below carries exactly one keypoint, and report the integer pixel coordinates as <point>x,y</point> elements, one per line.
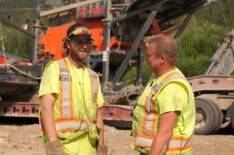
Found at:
<point>214,90</point>
<point>119,28</point>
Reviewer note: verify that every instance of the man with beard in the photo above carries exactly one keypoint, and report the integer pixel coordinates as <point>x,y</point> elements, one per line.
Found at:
<point>70,93</point>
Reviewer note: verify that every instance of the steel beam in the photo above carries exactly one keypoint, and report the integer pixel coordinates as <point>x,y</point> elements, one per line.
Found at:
<point>140,66</point>
<point>8,23</point>
<point>19,109</point>
<point>138,11</point>
<point>206,84</point>
<point>135,44</point>
<point>106,52</point>
<point>183,26</point>
<point>36,32</point>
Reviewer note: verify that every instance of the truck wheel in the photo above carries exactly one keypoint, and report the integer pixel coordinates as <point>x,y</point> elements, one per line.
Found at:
<point>233,121</point>
<point>219,117</point>
<point>207,117</point>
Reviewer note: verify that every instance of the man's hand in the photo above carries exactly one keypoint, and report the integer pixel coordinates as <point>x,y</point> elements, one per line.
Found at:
<point>101,147</point>
<point>101,150</point>
<point>54,148</point>
<point>166,125</point>
<point>100,125</point>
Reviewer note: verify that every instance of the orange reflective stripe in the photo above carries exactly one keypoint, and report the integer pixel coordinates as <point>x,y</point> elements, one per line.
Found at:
<point>94,84</point>
<point>97,90</point>
<point>72,125</point>
<point>65,96</point>
<point>149,123</point>
<point>145,117</point>
<point>179,149</point>
<point>91,83</point>
<point>176,143</point>
<point>155,117</point>
<point>152,137</point>
<point>143,135</point>
<point>97,97</point>
<point>180,138</point>
<point>40,123</point>
<point>149,127</point>
<point>71,100</point>
<point>71,121</point>
<point>137,144</point>
<point>60,94</point>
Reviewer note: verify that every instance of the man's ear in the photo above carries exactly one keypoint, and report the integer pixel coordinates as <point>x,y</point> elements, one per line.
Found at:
<point>67,44</point>
<point>162,59</point>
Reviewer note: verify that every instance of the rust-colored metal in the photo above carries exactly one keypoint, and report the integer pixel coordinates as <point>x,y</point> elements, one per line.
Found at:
<point>117,112</point>
<point>19,109</point>
<point>31,109</point>
<point>156,27</point>
<point>212,83</point>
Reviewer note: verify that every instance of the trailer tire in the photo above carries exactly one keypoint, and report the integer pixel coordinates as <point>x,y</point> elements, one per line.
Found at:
<point>233,121</point>
<point>219,117</point>
<point>207,117</point>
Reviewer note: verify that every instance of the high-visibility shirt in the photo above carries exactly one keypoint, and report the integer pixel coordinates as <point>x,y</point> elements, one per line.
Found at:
<point>81,107</point>
<point>167,93</point>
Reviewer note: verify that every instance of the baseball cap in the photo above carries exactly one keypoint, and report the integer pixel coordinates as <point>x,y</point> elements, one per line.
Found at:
<point>79,32</point>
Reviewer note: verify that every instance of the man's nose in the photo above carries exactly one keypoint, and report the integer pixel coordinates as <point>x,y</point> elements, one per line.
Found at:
<point>85,46</point>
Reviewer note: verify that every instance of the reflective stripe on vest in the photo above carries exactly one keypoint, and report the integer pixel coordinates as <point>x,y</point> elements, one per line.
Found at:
<point>65,96</point>
<point>66,121</point>
<point>70,125</point>
<point>175,144</point>
<point>150,117</point>
<point>76,124</point>
<point>94,84</point>
<point>145,138</point>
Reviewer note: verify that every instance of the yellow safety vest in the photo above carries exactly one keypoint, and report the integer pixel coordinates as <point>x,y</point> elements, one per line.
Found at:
<point>66,122</point>
<point>145,121</point>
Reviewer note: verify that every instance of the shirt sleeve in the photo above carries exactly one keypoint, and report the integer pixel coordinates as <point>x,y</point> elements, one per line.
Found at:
<point>173,97</point>
<point>49,80</point>
<point>100,99</point>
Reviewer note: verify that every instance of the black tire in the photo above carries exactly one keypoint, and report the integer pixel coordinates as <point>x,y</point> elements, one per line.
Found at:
<point>220,116</point>
<point>233,121</point>
<point>208,117</point>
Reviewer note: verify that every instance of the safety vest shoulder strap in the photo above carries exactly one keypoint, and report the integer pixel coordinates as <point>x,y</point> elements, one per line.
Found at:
<point>150,116</point>
<point>66,121</point>
<point>94,84</point>
<point>171,77</point>
<point>65,94</point>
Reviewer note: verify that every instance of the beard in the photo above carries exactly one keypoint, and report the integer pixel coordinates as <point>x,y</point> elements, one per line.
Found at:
<point>79,55</point>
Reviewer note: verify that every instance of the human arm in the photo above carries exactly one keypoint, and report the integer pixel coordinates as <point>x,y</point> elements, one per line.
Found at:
<point>48,116</point>
<point>171,101</point>
<point>47,93</point>
<point>101,147</point>
<point>166,124</point>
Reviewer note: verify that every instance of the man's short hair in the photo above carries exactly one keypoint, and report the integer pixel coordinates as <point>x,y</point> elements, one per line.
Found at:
<point>165,45</point>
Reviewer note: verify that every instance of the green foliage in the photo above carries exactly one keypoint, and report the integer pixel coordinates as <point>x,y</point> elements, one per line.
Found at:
<point>201,39</point>
<point>198,43</point>
<point>203,35</point>
<point>130,77</point>
<point>16,42</point>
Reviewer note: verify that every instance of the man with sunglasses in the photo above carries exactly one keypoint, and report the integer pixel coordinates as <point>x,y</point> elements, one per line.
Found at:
<point>70,93</point>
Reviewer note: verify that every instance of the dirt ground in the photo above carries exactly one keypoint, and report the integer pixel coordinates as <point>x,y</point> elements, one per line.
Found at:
<point>25,139</point>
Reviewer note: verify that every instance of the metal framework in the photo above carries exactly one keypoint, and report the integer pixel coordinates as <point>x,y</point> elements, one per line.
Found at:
<point>156,13</point>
